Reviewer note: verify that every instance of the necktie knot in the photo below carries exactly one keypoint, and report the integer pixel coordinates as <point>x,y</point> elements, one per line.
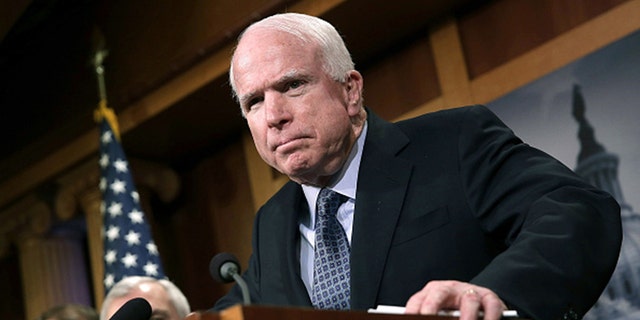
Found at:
<point>328,202</point>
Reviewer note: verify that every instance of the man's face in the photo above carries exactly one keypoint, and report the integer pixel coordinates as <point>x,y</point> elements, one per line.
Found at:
<point>300,118</point>
<point>155,294</point>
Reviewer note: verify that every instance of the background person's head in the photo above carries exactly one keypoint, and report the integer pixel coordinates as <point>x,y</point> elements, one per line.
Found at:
<point>69,311</point>
<point>294,80</point>
<point>165,298</point>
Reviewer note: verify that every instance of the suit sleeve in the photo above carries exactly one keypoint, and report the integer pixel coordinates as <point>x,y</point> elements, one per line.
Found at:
<point>562,235</point>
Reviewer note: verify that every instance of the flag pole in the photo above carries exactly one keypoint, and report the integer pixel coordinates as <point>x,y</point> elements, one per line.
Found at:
<point>103,112</point>
<point>94,218</point>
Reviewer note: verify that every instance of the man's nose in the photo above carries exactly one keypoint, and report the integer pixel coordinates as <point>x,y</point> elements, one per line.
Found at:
<point>277,110</point>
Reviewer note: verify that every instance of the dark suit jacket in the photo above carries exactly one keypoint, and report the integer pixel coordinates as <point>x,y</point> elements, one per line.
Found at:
<point>452,195</point>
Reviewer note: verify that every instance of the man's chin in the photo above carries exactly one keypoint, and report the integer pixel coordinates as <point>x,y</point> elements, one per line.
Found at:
<point>296,176</point>
<point>300,176</point>
<point>310,179</point>
<point>292,168</point>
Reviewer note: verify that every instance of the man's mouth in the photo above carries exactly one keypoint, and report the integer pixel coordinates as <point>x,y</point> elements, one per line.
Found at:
<point>285,144</point>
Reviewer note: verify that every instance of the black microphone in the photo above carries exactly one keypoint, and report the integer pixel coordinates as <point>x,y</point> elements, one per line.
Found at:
<point>134,309</point>
<point>224,268</point>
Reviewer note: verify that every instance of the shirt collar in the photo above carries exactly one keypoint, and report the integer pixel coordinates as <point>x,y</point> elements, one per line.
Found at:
<point>346,179</point>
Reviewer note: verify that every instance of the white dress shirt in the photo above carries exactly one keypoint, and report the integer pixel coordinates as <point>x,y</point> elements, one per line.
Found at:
<point>345,184</point>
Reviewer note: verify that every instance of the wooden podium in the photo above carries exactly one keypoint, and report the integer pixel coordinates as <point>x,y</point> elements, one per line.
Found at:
<point>240,312</point>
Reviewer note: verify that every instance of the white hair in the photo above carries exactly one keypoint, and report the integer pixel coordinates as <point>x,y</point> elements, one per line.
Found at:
<point>124,286</point>
<point>336,58</point>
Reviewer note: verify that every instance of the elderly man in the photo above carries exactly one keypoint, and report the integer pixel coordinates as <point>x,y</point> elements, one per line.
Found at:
<point>166,300</point>
<point>449,210</point>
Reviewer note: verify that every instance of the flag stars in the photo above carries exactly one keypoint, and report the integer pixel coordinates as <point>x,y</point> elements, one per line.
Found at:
<point>109,280</point>
<point>113,233</point>
<point>150,269</point>
<point>132,238</point>
<point>115,209</point>
<point>152,248</point>
<point>128,246</point>
<point>136,216</point>
<point>103,184</point>
<point>129,260</point>
<point>104,160</point>
<point>120,165</point>
<point>110,257</point>
<point>118,186</point>
<point>106,137</point>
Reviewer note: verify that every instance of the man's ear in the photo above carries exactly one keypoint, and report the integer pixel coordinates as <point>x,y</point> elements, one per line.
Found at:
<point>353,85</point>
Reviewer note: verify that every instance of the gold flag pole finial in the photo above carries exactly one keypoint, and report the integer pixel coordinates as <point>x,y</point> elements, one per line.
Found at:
<point>103,112</point>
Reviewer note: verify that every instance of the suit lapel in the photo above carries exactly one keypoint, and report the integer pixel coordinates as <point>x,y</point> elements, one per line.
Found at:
<point>295,290</point>
<point>382,183</point>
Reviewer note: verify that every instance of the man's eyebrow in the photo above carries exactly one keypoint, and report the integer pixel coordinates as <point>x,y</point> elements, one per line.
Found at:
<point>288,76</point>
<point>245,98</point>
<point>291,75</point>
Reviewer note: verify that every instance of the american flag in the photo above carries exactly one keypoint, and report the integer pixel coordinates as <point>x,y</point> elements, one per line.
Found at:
<point>128,245</point>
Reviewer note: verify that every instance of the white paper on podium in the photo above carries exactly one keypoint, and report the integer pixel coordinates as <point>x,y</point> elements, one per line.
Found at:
<point>451,313</point>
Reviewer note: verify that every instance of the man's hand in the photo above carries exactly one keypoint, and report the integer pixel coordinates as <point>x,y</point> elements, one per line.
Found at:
<point>455,295</point>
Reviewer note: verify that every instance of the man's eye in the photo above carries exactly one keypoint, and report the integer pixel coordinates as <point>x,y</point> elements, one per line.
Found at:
<point>295,84</point>
<point>253,101</point>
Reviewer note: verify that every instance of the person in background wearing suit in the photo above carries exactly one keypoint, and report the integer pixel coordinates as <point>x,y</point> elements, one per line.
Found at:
<point>166,300</point>
<point>449,210</point>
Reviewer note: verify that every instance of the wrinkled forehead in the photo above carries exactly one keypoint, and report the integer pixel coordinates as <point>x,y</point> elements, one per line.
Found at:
<point>263,51</point>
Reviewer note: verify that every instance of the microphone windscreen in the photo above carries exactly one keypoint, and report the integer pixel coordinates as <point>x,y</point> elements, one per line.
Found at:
<point>134,309</point>
<point>215,266</point>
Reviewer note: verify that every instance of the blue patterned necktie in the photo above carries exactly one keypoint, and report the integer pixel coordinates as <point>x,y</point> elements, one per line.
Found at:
<point>331,280</point>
